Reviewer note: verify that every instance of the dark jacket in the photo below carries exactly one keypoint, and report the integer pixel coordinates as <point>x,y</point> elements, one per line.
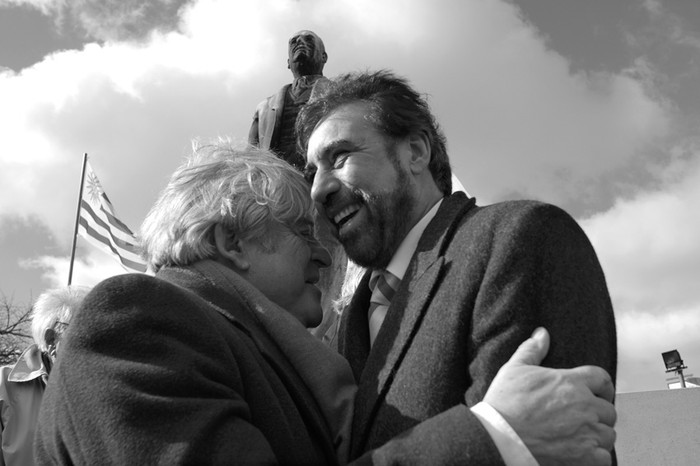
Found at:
<point>480,281</point>
<point>174,370</point>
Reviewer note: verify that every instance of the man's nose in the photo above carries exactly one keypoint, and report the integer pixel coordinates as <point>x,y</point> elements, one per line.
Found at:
<point>323,186</point>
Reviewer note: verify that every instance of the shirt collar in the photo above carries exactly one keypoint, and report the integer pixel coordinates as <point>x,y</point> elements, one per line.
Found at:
<point>29,366</point>
<point>399,262</point>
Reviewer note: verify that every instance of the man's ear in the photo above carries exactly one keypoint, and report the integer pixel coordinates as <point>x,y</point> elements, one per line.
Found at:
<point>419,145</point>
<point>230,247</point>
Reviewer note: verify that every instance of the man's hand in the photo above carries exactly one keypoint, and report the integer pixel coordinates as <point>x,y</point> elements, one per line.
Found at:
<point>564,416</point>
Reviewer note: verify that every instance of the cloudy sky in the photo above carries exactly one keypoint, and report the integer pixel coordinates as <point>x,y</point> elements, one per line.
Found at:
<point>593,106</point>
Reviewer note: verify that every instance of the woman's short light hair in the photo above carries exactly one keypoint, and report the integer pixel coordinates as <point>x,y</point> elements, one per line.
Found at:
<point>53,310</point>
<point>244,188</point>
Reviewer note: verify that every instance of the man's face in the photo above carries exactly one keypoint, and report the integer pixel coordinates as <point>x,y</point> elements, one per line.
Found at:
<point>305,47</point>
<point>288,275</point>
<point>360,185</point>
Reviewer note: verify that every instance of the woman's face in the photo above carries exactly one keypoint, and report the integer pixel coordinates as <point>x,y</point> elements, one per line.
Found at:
<point>288,275</point>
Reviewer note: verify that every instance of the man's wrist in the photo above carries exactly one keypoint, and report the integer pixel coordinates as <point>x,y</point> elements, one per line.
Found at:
<point>510,446</point>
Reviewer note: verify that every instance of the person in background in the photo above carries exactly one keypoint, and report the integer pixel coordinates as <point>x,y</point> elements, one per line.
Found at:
<point>22,385</point>
<point>452,288</point>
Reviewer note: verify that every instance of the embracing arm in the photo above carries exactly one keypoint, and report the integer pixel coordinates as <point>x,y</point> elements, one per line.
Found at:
<point>542,271</point>
<point>564,416</point>
<point>575,427</point>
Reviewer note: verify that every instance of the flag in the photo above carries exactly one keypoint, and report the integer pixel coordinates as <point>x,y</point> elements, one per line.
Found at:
<point>99,225</point>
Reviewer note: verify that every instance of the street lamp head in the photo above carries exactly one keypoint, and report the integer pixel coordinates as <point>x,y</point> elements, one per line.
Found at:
<point>672,360</point>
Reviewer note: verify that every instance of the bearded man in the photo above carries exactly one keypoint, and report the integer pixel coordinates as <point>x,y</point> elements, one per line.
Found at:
<point>450,284</point>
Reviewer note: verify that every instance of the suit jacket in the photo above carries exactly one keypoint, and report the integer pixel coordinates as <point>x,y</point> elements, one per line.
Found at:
<point>267,119</point>
<point>479,282</point>
<point>174,370</point>
<point>265,128</point>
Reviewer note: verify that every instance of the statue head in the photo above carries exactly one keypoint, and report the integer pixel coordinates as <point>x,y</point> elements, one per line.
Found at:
<point>307,54</point>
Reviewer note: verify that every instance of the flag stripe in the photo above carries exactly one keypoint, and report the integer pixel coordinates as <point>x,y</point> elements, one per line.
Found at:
<point>112,219</point>
<point>91,229</point>
<point>120,242</point>
<point>94,235</point>
<point>99,224</point>
<point>88,230</point>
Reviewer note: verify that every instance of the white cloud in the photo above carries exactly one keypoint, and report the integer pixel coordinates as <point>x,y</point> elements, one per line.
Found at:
<point>649,249</point>
<point>649,246</point>
<point>515,109</point>
<point>90,268</point>
<point>45,6</point>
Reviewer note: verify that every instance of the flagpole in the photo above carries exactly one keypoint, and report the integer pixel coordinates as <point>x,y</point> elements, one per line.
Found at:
<point>77,220</point>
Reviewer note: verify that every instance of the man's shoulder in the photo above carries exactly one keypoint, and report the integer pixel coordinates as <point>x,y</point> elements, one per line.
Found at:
<point>517,206</point>
<point>516,212</point>
<point>501,222</point>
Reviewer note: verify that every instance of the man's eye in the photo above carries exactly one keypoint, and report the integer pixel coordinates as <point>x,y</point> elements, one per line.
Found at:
<point>339,159</point>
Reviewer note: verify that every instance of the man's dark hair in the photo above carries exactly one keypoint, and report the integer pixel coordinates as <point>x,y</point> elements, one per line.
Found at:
<point>395,109</point>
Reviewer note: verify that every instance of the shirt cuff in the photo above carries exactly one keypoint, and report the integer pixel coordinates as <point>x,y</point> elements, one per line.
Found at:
<point>510,446</point>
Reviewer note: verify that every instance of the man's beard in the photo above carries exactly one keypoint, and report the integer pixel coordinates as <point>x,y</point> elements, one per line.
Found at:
<point>388,217</point>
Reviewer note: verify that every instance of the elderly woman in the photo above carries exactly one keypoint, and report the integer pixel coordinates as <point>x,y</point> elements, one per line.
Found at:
<point>200,364</point>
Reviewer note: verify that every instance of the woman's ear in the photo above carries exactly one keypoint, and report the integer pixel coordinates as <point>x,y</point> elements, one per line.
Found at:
<point>420,152</point>
<point>230,247</point>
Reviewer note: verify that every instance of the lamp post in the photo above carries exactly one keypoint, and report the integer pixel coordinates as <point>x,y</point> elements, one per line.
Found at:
<point>674,363</point>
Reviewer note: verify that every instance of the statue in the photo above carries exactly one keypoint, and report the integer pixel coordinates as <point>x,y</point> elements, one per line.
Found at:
<point>273,121</point>
<point>273,129</point>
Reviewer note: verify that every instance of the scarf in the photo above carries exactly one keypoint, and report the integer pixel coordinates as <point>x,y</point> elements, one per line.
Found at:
<point>325,372</point>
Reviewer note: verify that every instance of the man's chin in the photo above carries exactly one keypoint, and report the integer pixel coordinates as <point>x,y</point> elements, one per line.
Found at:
<point>359,252</point>
<point>302,58</point>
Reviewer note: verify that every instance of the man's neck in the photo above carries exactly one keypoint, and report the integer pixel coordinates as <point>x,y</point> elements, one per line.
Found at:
<point>402,256</point>
<point>426,199</point>
<point>307,78</point>
<point>302,69</point>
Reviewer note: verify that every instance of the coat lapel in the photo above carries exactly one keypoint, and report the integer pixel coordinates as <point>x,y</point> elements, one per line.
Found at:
<point>403,319</point>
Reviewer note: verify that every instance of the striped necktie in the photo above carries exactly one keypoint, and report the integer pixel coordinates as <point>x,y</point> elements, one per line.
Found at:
<point>383,285</point>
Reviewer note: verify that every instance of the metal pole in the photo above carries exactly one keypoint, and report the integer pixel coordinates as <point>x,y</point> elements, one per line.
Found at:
<point>77,220</point>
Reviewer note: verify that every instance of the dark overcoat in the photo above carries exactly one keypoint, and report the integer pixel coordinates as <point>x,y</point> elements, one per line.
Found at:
<point>174,370</point>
